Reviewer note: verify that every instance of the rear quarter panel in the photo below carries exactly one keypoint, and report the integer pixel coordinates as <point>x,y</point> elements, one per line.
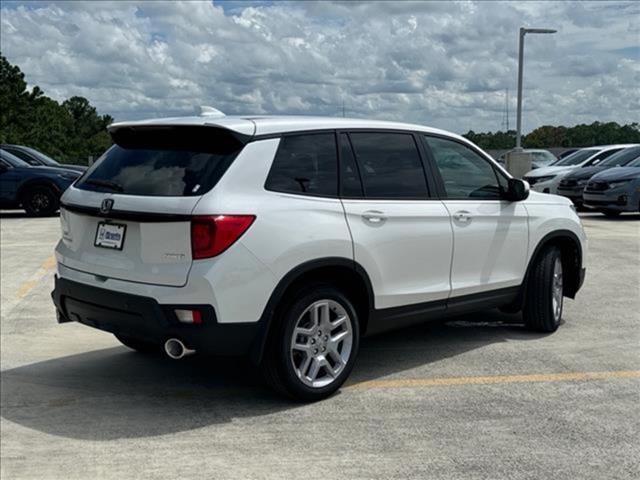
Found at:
<point>289,230</point>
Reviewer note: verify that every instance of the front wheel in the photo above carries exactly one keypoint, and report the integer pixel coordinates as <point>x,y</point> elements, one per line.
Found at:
<point>542,310</point>
<point>314,346</point>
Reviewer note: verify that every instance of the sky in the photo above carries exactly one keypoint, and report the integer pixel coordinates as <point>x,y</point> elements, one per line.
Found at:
<point>442,64</point>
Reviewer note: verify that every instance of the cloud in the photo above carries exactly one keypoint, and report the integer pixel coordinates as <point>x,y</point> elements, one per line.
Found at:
<point>437,63</point>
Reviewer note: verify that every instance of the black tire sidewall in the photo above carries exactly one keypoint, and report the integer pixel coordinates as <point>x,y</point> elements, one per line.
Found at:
<point>302,300</point>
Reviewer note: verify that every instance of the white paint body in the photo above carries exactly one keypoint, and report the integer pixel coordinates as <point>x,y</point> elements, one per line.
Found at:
<point>417,252</point>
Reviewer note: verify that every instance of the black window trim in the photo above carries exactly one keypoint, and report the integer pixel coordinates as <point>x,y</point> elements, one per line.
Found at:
<point>282,135</point>
<point>442,193</point>
<point>355,162</point>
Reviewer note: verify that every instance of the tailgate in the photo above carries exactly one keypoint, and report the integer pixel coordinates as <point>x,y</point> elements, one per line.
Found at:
<point>153,249</point>
<point>129,216</point>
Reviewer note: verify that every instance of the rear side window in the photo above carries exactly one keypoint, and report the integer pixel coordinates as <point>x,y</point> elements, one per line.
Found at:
<point>305,164</point>
<point>163,161</point>
<point>389,165</point>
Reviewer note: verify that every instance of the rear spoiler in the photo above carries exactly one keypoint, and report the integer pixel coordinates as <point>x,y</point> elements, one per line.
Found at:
<point>205,138</point>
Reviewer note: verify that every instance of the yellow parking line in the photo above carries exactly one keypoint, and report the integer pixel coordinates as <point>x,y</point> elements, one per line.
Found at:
<point>487,380</point>
<point>43,270</point>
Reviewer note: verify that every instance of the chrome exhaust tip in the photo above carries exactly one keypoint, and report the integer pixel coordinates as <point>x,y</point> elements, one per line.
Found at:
<point>175,349</point>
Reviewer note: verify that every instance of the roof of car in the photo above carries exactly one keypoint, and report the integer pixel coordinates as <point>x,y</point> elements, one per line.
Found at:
<point>269,125</point>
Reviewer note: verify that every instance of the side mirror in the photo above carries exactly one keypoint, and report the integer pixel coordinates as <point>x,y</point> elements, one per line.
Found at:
<point>518,190</point>
<point>3,168</point>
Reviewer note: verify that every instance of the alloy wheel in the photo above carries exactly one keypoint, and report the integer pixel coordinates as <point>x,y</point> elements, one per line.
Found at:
<point>321,343</point>
<point>557,290</point>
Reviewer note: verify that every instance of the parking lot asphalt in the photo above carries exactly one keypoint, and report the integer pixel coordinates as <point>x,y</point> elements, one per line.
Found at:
<point>476,397</point>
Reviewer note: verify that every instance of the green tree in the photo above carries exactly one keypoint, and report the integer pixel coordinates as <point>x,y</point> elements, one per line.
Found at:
<point>549,136</point>
<point>70,132</point>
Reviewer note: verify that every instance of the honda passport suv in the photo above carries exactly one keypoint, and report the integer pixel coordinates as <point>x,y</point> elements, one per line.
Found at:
<point>288,239</point>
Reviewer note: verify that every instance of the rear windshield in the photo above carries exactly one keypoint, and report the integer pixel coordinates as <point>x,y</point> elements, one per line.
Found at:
<point>169,161</point>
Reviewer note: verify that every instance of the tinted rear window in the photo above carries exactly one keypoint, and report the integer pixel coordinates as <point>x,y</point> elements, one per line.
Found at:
<point>305,164</point>
<point>175,161</point>
<point>389,165</point>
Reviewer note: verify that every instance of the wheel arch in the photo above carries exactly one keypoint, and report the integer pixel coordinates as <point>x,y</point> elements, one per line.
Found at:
<point>344,273</point>
<point>571,254</point>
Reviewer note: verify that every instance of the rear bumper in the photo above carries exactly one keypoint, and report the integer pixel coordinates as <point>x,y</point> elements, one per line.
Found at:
<point>144,318</point>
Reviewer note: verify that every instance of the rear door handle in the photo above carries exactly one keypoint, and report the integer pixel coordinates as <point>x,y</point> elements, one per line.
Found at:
<point>462,216</point>
<point>374,217</point>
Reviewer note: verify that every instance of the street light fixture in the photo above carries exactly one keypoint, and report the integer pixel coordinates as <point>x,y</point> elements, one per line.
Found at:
<point>523,32</point>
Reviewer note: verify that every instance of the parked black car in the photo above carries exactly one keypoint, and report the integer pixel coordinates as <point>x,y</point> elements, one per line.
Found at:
<point>35,158</point>
<point>572,185</point>
<point>37,190</point>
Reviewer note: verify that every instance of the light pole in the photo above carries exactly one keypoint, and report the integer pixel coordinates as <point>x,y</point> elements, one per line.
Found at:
<point>523,32</point>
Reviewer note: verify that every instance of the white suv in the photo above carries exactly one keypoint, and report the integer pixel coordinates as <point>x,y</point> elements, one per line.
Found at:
<point>289,238</point>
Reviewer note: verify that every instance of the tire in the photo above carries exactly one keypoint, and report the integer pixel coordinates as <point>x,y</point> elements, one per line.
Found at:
<point>306,373</point>
<point>40,201</point>
<point>542,310</point>
<point>138,345</point>
<point>611,213</point>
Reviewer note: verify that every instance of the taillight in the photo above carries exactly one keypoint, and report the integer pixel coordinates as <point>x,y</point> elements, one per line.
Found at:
<point>210,236</point>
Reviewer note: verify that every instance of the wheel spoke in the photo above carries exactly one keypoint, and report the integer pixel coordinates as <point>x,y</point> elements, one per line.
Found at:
<point>314,370</point>
<point>305,332</point>
<point>302,347</point>
<point>338,337</point>
<point>304,366</point>
<point>339,321</point>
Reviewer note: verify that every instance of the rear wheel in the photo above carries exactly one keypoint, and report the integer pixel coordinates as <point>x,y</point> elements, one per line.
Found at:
<point>138,345</point>
<point>40,201</point>
<point>542,310</point>
<point>314,346</point>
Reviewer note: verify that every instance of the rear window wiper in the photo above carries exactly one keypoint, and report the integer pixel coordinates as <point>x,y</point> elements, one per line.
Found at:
<point>116,187</point>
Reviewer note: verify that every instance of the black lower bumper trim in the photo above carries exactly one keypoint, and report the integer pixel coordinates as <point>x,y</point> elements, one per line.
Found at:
<point>145,319</point>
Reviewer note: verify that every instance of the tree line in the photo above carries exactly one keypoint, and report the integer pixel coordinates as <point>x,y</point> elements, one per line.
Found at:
<point>73,130</point>
<point>547,136</point>
<point>69,132</point>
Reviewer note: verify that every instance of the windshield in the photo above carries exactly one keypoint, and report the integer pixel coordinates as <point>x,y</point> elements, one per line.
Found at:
<point>180,162</point>
<point>544,157</point>
<point>635,163</point>
<point>621,158</point>
<point>12,159</point>
<point>575,158</point>
<point>42,157</point>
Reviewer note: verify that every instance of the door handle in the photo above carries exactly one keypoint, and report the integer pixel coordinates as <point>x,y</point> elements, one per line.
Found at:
<point>374,217</point>
<point>462,216</point>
